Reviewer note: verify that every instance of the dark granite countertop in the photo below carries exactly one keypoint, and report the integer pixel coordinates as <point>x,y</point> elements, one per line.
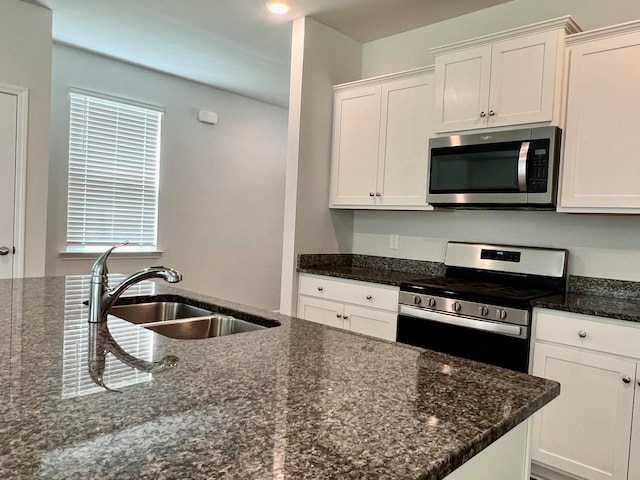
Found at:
<point>587,295</point>
<point>603,306</point>
<point>368,268</point>
<point>297,401</point>
<point>603,297</point>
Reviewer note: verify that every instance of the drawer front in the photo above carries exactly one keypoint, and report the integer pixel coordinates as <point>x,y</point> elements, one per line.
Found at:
<point>374,295</point>
<point>586,331</point>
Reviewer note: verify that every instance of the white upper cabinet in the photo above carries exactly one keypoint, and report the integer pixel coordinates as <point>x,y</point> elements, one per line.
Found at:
<point>509,78</point>
<point>356,133</point>
<point>601,161</point>
<point>380,137</point>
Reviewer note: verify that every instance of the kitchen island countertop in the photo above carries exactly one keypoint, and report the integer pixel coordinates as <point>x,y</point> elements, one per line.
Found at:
<point>296,401</point>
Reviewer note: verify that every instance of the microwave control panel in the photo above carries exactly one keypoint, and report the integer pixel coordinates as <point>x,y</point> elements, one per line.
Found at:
<point>538,173</point>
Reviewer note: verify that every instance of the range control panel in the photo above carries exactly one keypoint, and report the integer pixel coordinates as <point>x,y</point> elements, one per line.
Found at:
<point>500,255</point>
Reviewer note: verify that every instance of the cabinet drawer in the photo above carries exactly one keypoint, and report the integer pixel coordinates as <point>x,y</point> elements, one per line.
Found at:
<point>367,294</point>
<point>586,331</point>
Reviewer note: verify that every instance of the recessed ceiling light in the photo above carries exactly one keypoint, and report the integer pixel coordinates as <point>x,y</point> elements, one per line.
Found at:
<point>278,7</point>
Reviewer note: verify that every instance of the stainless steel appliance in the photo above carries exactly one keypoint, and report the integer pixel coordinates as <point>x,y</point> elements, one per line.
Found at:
<point>508,169</point>
<point>481,308</point>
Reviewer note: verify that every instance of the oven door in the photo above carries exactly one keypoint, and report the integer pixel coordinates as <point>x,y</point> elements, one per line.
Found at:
<point>501,344</point>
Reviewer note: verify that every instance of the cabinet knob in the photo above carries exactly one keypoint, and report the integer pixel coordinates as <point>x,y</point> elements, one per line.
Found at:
<point>338,315</point>
<point>371,194</point>
<point>320,289</point>
<point>369,297</point>
<point>626,379</point>
<point>491,113</point>
<point>378,194</point>
<point>582,334</point>
<point>483,114</point>
<point>346,317</point>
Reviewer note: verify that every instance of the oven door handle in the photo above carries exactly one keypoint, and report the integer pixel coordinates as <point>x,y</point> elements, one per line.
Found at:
<point>501,328</point>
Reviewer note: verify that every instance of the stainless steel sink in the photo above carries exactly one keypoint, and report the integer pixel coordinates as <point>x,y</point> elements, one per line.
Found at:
<point>160,311</point>
<point>198,328</point>
<point>179,317</point>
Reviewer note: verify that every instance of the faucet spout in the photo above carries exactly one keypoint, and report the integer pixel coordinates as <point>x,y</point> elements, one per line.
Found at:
<point>102,297</point>
<point>168,274</point>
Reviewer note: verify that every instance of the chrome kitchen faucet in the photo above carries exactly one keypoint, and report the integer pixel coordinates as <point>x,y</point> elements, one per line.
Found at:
<point>102,297</point>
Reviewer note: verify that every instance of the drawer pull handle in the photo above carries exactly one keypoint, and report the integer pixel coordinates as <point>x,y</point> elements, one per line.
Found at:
<point>582,334</point>
<point>369,297</point>
<point>626,379</point>
<point>320,289</point>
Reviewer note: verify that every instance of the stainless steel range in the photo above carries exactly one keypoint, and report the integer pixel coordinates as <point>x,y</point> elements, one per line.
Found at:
<point>481,309</point>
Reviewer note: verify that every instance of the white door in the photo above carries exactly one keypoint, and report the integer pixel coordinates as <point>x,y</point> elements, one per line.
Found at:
<point>356,134</point>
<point>601,172</point>
<point>407,107</point>
<point>634,454</point>
<point>523,73</point>
<point>321,311</point>
<point>371,322</point>
<point>586,430</point>
<point>462,89</point>
<point>8,135</point>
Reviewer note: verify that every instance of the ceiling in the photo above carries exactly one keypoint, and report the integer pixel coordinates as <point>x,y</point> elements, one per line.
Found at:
<point>234,45</point>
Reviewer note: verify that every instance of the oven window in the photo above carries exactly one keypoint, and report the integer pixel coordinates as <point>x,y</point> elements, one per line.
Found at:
<point>500,350</point>
<point>489,168</point>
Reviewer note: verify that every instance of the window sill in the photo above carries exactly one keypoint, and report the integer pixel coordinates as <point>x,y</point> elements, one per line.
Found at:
<point>131,254</point>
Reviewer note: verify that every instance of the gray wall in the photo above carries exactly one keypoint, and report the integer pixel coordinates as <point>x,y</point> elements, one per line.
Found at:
<point>221,186</point>
<point>321,58</point>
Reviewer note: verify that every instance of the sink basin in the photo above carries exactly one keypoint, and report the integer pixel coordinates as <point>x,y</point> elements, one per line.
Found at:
<point>198,328</point>
<point>160,311</point>
<point>183,318</point>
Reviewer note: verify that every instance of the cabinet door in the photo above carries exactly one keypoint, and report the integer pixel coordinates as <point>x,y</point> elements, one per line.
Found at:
<point>321,311</point>
<point>601,171</point>
<point>634,454</point>
<point>356,138</point>
<point>462,89</point>
<point>585,431</point>
<point>405,130</point>
<point>523,75</point>
<point>371,322</point>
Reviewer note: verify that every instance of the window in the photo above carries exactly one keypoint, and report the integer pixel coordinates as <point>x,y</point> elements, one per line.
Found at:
<point>114,154</point>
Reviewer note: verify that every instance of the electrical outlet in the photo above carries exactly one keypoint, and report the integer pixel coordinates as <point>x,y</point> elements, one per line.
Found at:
<point>393,241</point>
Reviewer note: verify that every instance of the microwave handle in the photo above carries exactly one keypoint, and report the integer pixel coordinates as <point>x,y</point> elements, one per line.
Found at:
<point>522,166</point>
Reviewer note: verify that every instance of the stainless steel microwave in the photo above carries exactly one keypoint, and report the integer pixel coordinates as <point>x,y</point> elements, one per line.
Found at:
<point>507,169</point>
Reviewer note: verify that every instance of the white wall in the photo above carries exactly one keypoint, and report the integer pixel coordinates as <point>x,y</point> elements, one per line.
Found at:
<point>221,186</point>
<point>320,58</point>
<point>25,60</point>
<point>599,245</point>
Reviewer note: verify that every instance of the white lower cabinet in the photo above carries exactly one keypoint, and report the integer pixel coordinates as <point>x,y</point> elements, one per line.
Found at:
<point>587,432</point>
<point>361,307</point>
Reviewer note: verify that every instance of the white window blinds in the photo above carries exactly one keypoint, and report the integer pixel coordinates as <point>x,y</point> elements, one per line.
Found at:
<point>114,152</point>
